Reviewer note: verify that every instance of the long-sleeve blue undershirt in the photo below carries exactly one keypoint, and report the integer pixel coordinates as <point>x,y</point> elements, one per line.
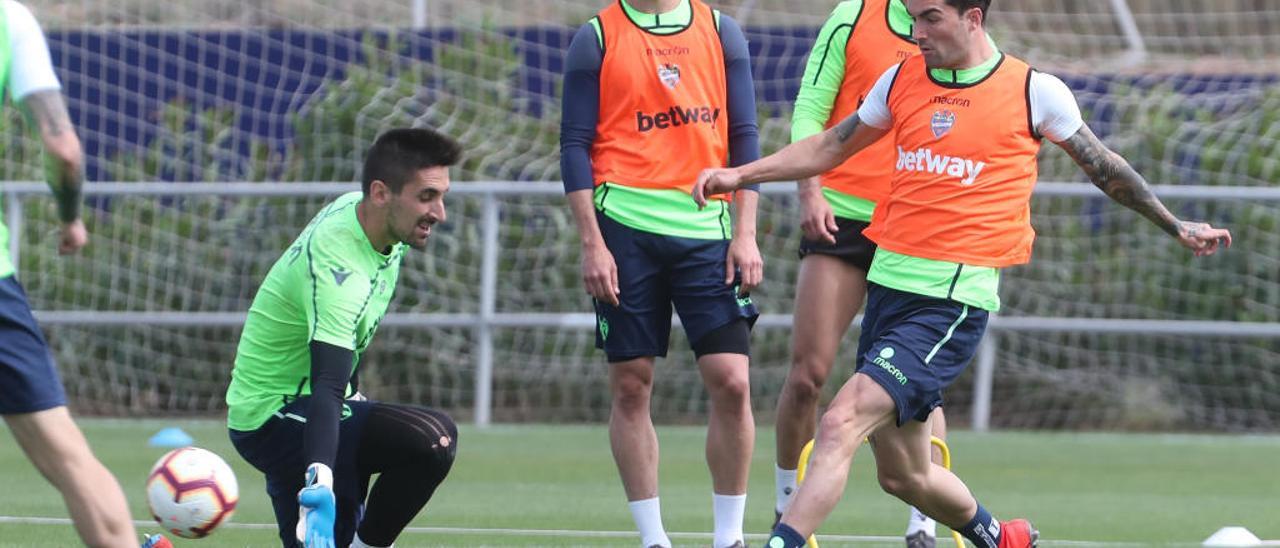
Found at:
<point>581,103</point>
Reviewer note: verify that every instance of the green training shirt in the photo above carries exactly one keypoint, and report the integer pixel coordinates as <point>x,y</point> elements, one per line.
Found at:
<point>972,285</point>
<point>652,210</point>
<point>330,286</point>
<point>823,76</point>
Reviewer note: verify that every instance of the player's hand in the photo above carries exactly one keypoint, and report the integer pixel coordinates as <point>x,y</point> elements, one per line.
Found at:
<point>817,220</point>
<point>318,508</point>
<point>744,257</point>
<point>1202,238</point>
<point>600,273</point>
<point>73,237</point>
<point>715,181</point>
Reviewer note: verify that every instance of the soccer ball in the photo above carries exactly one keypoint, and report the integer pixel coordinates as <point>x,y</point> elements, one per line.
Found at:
<point>191,491</point>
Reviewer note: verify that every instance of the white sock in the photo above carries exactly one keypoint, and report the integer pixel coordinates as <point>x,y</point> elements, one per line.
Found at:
<point>785,486</point>
<point>729,511</point>
<point>647,514</point>
<point>921,522</point>
<point>357,543</point>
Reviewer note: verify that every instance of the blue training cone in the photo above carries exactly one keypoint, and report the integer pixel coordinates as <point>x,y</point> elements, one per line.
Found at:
<point>170,437</point>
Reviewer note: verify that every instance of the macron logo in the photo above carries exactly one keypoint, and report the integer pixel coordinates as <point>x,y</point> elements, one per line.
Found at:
<point>924,159</point>
<point>339,274</point>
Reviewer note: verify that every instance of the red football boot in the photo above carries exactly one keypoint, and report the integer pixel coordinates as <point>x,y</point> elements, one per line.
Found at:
<point>1018,533</point>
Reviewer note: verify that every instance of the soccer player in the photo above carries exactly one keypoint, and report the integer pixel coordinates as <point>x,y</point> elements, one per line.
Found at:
<point>966,121</point>
<point>654,90</point>
<point>859,41</point>
<point>31,395</point>
<point>313,317</point>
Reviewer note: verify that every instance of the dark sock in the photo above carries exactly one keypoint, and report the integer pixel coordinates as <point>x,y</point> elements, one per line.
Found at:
<point>789,537</point>
<point>983,530</point>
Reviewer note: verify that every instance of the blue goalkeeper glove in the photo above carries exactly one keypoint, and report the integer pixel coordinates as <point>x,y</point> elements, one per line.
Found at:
<point>318,508</point>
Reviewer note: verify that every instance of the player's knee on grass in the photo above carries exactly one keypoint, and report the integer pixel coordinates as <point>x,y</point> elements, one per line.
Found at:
<point>284,503</point>
<point>731,338</point>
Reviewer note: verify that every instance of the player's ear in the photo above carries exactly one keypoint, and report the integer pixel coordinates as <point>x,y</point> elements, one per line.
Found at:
<point>379,191</point>
<point>974,17</point>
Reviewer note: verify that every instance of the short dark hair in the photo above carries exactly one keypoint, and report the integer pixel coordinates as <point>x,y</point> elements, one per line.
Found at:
<point>398,154</point>
<point>965,5</point>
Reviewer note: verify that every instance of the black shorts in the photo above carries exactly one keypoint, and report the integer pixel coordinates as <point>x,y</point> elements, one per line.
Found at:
<point>915,346</point>
<point>851,246</point>
<point>656,272</point>
<point>275,449</point>
<point>28,380</point>
<point>367,444</point>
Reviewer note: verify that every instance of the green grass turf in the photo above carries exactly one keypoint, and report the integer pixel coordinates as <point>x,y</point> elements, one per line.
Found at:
<point>1104,488</point>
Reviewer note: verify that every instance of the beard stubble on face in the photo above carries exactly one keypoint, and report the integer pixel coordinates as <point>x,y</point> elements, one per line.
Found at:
<point>408,233</point>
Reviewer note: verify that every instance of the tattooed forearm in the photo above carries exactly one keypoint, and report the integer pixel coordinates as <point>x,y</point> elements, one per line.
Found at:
<point>48,111</point>
<point>65,178</point>
<point>1118,179</point>
<point>844,130</point>
<point>63,159</point>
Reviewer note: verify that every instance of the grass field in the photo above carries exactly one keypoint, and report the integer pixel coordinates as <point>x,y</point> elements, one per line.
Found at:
<point>537,485</point>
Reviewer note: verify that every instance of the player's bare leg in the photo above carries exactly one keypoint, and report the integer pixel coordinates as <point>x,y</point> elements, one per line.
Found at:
<point>921,529</point>
<point>858,409</point>
<point>59,450</point>
<point>730,438</point>
<point>906,470</point>
<point>829,293</point>
<point>631,434</point>
<point>635,445</point>
<point>731,429</point>
<point>938,429</point>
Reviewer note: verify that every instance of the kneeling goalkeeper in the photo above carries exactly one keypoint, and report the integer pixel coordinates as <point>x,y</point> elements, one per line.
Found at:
<point>312,318</point>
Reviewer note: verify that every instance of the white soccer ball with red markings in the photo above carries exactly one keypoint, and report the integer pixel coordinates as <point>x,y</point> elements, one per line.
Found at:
<point>191,492</point>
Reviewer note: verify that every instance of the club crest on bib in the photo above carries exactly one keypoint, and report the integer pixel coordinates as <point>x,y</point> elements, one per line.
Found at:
<point>941,122</point>
<point>669,74</point>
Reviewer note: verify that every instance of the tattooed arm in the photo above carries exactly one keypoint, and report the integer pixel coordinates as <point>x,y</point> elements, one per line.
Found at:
<point>64,160</point>
<point>1123,184</point>
<point>801,159</point>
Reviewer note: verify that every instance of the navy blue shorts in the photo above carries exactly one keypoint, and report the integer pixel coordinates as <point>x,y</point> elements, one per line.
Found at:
<point>915,346</point>
<point>28,380</point>
<point>275,449</point>
<point>851,246</point>
<point>654,273</point>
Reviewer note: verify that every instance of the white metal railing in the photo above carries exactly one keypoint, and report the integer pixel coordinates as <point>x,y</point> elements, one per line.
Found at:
<point>487,318</point>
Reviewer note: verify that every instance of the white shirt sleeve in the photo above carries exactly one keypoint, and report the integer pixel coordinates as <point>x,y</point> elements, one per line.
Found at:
<point>875,108</point>
<point>1054,111</point>
<point>30,67</point>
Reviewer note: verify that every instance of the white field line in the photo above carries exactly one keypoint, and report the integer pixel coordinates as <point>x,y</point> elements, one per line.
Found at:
<point>578,533</point>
